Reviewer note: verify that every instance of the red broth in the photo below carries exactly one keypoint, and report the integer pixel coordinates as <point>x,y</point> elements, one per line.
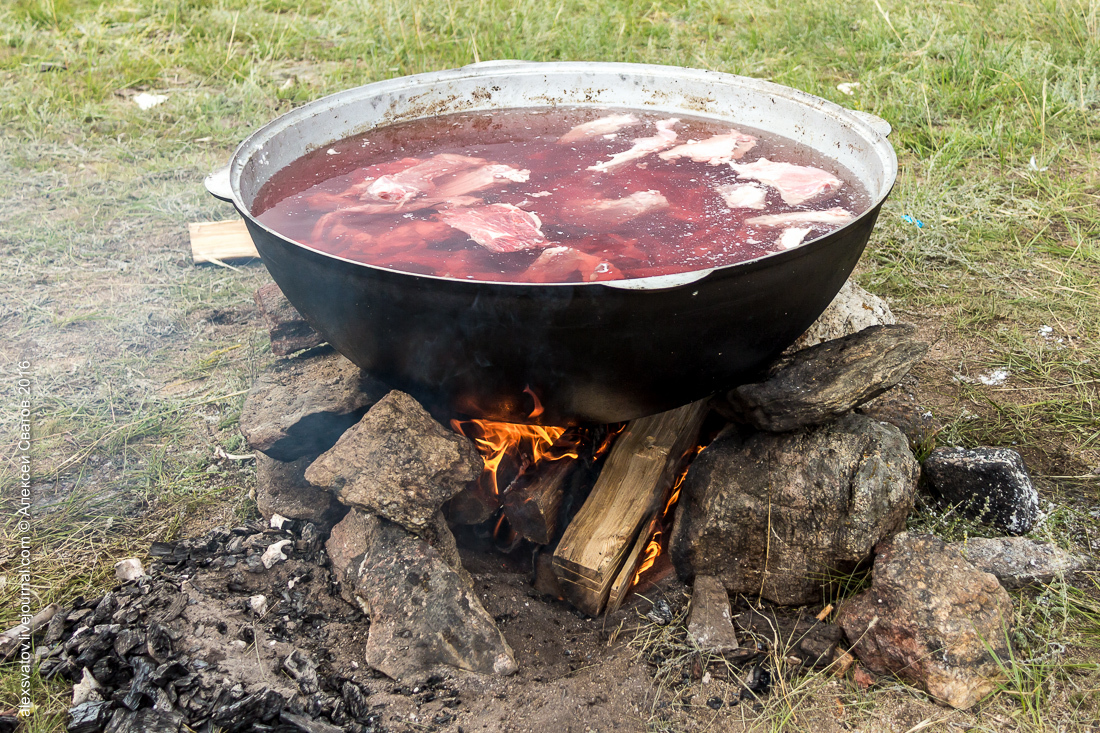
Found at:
<point>644,217</point>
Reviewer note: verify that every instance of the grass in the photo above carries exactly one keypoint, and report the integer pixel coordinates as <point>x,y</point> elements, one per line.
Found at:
<point>140,358</point>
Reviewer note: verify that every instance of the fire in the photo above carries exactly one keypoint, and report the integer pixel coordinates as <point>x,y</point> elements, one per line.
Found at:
<point>652,550</point>
<point>525,445</point>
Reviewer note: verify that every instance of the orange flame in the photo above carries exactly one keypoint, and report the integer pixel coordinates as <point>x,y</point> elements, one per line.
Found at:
<point>525,443</point>
<point>538,404</point>
<point>652,550</point>
<point>680,481</point>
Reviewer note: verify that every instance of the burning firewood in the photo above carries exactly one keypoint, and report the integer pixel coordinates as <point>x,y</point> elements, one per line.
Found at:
<point>533,501</point>
<point>632,487</point>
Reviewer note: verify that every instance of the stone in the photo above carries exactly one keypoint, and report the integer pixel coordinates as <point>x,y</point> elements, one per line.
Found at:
<point>931,618</point>
<point>303,404</point>
<point>710,625</point>
<point>1018,561</point>
<point>853,309</point>
<point>779,514</point>
<point>398,463</point>
<point>899,407</point>
<point>423,613</point>
<point>821,382</point>
<point>129,569</point>
<point>988,484</point>
<point>281,488</point>
<point>289,331</point>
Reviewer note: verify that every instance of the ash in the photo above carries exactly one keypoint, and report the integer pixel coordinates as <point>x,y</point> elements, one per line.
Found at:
<point>213,640</point>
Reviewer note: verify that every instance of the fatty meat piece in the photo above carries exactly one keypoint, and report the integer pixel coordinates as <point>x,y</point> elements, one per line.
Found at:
<point>479,179</point>
<point>418,179</point>
<point>643,146</point>
<point>791,238</point>
<point>628,207</point>
<point>828,216</point>
<point>602,126</point>
<point>796,184</point>
<point>559,264</point>
<point>333,217</point>
<point>743,195</point>
<point>714,150</point>
<point>498,227</point>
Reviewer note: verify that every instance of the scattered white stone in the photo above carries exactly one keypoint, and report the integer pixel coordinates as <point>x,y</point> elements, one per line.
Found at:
<point>87,690</point>
<point>848,87</point>
<point>274,554</point>
<point>129,569</point>
<point>1033,166</point>
<point>258,604</point>
<point>278,520</point>
<point>995,378</point>
<point>145,100</point>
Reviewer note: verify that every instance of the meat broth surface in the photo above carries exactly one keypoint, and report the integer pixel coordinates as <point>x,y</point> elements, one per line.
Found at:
<point>567,194</point>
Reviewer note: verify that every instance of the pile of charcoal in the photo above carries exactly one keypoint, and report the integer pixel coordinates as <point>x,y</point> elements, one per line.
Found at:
<point>224,633</point>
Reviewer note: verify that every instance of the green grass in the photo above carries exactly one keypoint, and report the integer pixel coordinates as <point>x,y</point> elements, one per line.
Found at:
<point>137,383</point>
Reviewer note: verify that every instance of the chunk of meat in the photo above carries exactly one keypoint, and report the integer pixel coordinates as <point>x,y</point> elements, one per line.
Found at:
<point>498,227</point>
<point>714,150</point>
<point>561,264</point>
<point>796,184</point>
<point>609,211</point>
<point>601,126</point>
<point>743,195</point>
<point>835,215</point>
<point>478,179</point>
<point>643,146</point>
<point>418,179</point>
<point>791,238</point>
<point>334,217</point>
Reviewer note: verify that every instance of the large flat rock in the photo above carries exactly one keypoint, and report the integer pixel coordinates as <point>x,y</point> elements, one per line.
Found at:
<point>302,405</point>
<point>932,618</point>
<point>1018,561</point>
<point>397,462</point>
<point>780,514</point>
<point>423,612</point>
<point>823,381</point>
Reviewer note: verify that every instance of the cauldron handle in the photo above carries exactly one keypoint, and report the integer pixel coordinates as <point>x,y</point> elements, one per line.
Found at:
<point>217,184</point>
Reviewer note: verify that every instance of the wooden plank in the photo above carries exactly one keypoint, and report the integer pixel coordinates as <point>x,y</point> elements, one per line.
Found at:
<point>638,474</point>
<point>220,241</point>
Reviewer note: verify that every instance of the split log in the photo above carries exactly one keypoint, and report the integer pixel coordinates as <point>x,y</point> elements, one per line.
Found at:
<point>289,331</point>
<point>633,484</point>
<point>625,579</point>
<point>534,499</point>
<point>10,639</point>
<point>473,505</point>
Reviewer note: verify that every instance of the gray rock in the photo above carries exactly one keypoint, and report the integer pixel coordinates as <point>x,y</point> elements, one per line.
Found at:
<point>303,404</point>
<point>829,379</point>
<point>932,618</point>
<point>899,407</point>
<point>780,514</point>
<point>281,488</point>
<point>1018,561</point>
<point>853,309</point>
<point>288,329</point>
<point>710,625</point>
<point>988,484</point>
<point>398,463</point>
<point>423,613</point>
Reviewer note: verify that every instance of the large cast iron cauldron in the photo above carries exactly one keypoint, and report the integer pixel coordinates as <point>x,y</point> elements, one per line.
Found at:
<point>599,352</point>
